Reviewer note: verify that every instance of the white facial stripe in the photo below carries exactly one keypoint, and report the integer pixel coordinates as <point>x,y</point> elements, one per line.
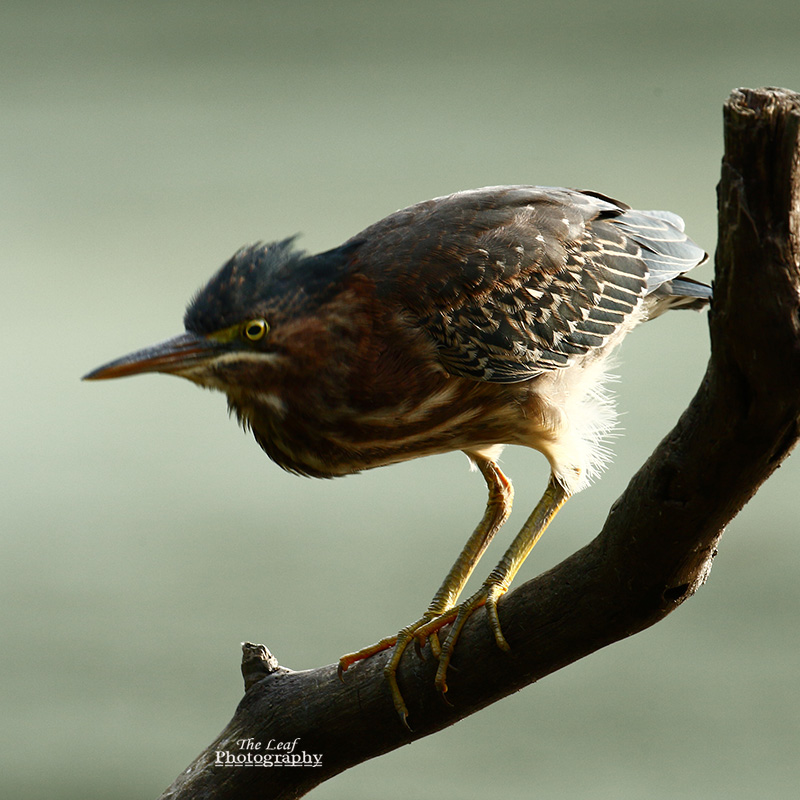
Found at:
<point>247,355</point>
<point>203,373</point>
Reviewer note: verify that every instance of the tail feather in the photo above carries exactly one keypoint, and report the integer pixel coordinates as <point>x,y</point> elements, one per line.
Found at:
<point>689,287</point>
<point>679,293</point>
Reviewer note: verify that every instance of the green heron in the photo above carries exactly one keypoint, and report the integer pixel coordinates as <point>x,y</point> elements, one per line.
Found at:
<point>467,322</point>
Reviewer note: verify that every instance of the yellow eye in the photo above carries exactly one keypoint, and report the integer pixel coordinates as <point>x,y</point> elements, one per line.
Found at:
<point>255,329</point>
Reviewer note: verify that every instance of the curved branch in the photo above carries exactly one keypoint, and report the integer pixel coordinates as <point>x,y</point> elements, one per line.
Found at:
<point>660,537</point>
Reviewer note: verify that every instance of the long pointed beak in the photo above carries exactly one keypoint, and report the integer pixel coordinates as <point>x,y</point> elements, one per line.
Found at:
<point>174,356</point>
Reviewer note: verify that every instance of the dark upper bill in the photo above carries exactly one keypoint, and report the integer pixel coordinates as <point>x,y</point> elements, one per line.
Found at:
<point>172,356</point>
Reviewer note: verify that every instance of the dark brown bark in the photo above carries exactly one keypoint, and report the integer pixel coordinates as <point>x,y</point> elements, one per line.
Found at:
<point>660,537</point>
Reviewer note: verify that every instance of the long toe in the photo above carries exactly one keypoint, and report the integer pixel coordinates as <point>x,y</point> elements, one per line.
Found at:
<point>461,614</point>
<point>347,661</point>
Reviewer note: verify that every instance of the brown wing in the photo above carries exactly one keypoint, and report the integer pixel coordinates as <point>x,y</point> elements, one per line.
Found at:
<point>519,280</point>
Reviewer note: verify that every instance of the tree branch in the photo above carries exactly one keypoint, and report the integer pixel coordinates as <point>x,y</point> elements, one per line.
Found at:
<point>660,537</point>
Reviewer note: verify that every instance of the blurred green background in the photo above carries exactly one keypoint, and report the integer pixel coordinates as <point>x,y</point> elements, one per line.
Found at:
<point>144,536</point>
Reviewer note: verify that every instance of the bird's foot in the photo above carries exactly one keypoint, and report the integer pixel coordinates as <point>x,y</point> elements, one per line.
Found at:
<point>426,629</point>
<point>431,621</point>
<point>487,595</point>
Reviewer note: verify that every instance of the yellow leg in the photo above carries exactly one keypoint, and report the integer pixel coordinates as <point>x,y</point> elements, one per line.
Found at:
<point>498,508</point>
<point>496,585</point>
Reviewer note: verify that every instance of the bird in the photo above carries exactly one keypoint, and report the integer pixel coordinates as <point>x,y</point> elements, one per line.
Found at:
<point>468,322</point>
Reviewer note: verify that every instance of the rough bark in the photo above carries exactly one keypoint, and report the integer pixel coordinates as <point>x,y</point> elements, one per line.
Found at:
<point>660,537</point>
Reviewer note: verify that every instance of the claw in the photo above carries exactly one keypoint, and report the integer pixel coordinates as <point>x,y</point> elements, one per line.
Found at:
<point>390,674</point>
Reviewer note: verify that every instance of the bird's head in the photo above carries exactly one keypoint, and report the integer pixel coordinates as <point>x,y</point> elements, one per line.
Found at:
<point>240,325</point>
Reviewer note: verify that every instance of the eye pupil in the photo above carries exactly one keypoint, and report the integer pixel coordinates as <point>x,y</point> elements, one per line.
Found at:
<point>255,329</point>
